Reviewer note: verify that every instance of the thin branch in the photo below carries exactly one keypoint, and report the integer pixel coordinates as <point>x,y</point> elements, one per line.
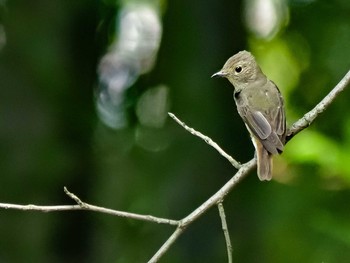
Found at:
<point>75,198</point>
<point>40,208</point>
<point>165,247</point>
<point>309,117</point>
<point>85,206</point>
<point>226,232</point>
<point>199,211</point>
<point>221,194</point>
<point>208,140</point>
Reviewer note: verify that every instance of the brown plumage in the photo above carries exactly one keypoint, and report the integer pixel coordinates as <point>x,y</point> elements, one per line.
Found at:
<point>261,106</point>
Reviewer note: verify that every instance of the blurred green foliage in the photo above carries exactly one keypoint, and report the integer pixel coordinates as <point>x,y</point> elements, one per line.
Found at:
<point>51,135</point>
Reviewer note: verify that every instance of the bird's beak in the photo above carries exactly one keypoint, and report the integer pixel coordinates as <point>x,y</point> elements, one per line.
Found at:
<point>219,74</point>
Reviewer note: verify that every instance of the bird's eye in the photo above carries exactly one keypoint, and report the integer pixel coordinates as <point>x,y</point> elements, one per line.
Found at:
<point>238,69</point>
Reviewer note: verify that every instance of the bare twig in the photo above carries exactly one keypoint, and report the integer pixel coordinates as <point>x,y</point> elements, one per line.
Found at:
<point>309,117</point>
<point>208,140</point>
<point>85,206</point>
<point>165,247</point>
<point>226,232</point>
<point>199,211</point>
<point>75,198</point>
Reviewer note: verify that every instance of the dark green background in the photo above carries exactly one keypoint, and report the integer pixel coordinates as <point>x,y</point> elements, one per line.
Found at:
<point>51,137</point>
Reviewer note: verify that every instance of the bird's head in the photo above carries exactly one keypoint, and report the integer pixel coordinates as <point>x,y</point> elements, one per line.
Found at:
<point>240,69</point>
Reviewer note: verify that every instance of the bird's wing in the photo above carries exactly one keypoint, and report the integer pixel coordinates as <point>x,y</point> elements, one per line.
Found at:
<point>264,130</point>
<point>259,124</point>
<point>268,125</point>
<point>280,120</point>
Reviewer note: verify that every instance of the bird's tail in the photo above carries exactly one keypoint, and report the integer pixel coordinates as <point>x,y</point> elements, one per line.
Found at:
<point>264,160</point>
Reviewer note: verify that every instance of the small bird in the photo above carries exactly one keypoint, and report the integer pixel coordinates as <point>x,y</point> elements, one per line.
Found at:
<point>260,104</point>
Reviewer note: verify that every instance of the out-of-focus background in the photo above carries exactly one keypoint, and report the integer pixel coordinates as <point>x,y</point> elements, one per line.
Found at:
<point>85,91</point>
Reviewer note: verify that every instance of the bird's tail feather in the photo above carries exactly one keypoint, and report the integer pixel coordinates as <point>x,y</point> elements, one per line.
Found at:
<point>264,160</point>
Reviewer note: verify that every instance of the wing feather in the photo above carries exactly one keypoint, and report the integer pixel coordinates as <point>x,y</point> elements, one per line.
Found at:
<point>269,127</point>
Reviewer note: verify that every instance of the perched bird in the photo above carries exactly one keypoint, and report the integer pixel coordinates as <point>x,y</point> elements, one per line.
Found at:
<point>260,104</point>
